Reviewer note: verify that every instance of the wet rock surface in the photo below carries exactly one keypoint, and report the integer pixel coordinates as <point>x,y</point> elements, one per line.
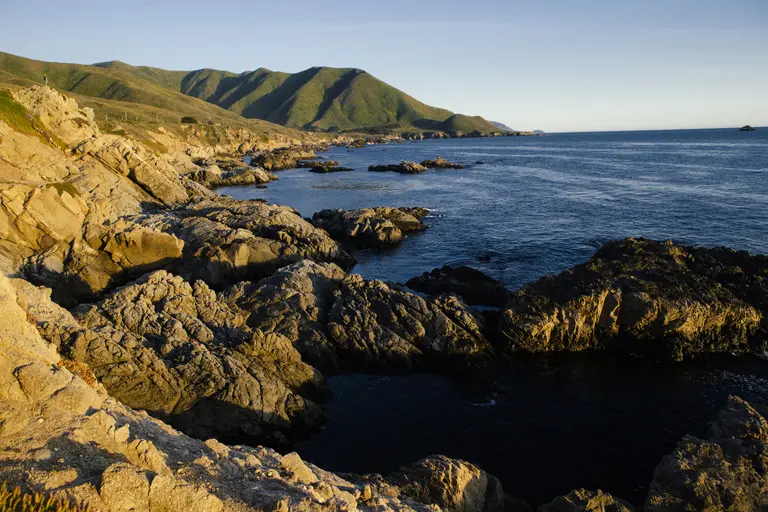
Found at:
<point>646,296</point>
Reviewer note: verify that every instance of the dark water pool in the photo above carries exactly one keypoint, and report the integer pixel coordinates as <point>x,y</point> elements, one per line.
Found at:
<point>552,425</point>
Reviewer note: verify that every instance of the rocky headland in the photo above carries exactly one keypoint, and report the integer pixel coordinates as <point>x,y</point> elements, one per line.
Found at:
<point>144,316</point>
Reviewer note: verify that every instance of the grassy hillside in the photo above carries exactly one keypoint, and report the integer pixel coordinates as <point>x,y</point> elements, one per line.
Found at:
<point>320,98</point>
<point>119,92</point>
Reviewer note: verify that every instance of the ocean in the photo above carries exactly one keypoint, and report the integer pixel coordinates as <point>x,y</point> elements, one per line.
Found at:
<point>526,207</point>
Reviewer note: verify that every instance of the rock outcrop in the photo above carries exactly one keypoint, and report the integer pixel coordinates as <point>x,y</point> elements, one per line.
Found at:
<point>294,302</point>
<point>473,286</point>
<point>284,158</point>
<point>173,349</point>
<point>61,436</point>
<point>374,326</point>
<point>403,167</point>
<point>747,128</point>
<point>441,163</point>
<point>226,241</point>
<point>727,471</point>
<point>214,176</point>
<point>369,227</point>
<point>646,296</point>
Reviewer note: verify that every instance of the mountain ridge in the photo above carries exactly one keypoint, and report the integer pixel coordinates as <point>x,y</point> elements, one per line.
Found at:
<point>321,98</point>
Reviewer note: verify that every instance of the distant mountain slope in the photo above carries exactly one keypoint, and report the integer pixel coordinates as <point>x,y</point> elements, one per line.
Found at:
<point>142,92</point>
<point>320,98</point>
<point>501,126</point>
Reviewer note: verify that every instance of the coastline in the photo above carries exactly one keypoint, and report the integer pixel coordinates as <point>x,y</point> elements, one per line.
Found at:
<point>204,310</point>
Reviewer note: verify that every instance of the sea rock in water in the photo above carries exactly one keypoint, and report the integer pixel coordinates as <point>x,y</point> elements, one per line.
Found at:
<point>213,176</point>
<point>227,240</point>
<point>321,168</point>
<point>369,227</point>
<point>451,484</point>
<point>583,500</point>
<point>404,167</point>
<point>172,348</point>
<point>441,163</point>
<point>746,128</point>
<point>727,471</point>
<point>646,296</point>
<point>377,327</point>
<point>294,302</point>
<point>64,437</point>
<point>284,158</point>
<point>473,286</point>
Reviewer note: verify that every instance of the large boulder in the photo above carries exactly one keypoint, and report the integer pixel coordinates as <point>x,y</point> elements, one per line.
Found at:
<point>226,241</point>
<point>375,326</point>
<point>283,158</point>
<point>473,286</point>
<point>173,349</point>
<point>727,471</point>
<point>369,227</point>
<point>441,163</point>
<point>641,295</point>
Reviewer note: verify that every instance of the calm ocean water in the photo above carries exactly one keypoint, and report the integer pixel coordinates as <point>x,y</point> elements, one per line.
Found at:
<point>538,205</point>
<point>534,206</point>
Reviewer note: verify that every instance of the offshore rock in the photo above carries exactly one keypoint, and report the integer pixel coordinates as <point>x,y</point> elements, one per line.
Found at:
<point>441,163</point>
<point>473,286</point>
<point>640,295</point>
<point>727,471</point>
<point>403,167</point>
<point>368,227</point>
<point>173,349</point>
<point>283,158</point>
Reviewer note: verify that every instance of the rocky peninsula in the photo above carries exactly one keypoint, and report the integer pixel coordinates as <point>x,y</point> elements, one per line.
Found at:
<point>147,320</point>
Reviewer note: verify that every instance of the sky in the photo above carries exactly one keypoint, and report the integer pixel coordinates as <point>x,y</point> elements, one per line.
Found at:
<point>554,65</point>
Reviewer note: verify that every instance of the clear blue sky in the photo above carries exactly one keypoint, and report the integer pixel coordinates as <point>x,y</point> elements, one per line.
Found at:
<point>552,65</point>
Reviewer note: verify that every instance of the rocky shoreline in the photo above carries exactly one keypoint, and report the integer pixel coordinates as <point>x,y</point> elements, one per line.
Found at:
<point>137,301</point>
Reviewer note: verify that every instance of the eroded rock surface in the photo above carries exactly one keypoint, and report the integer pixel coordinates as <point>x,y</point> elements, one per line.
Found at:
<point>473,286</point>
<point>370,227</point>
<point>441,163</point>
<point>642,295</point>
<point>172,348</point>
<point>375,326</point>
<point>294,302</point>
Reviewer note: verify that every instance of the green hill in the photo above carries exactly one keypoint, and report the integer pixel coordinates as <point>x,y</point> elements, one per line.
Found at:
<point>320,98</point>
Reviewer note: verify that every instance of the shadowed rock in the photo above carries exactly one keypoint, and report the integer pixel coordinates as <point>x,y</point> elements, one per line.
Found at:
<point>472,285</point>
<point>583,500</point>
<point>727,471</point>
